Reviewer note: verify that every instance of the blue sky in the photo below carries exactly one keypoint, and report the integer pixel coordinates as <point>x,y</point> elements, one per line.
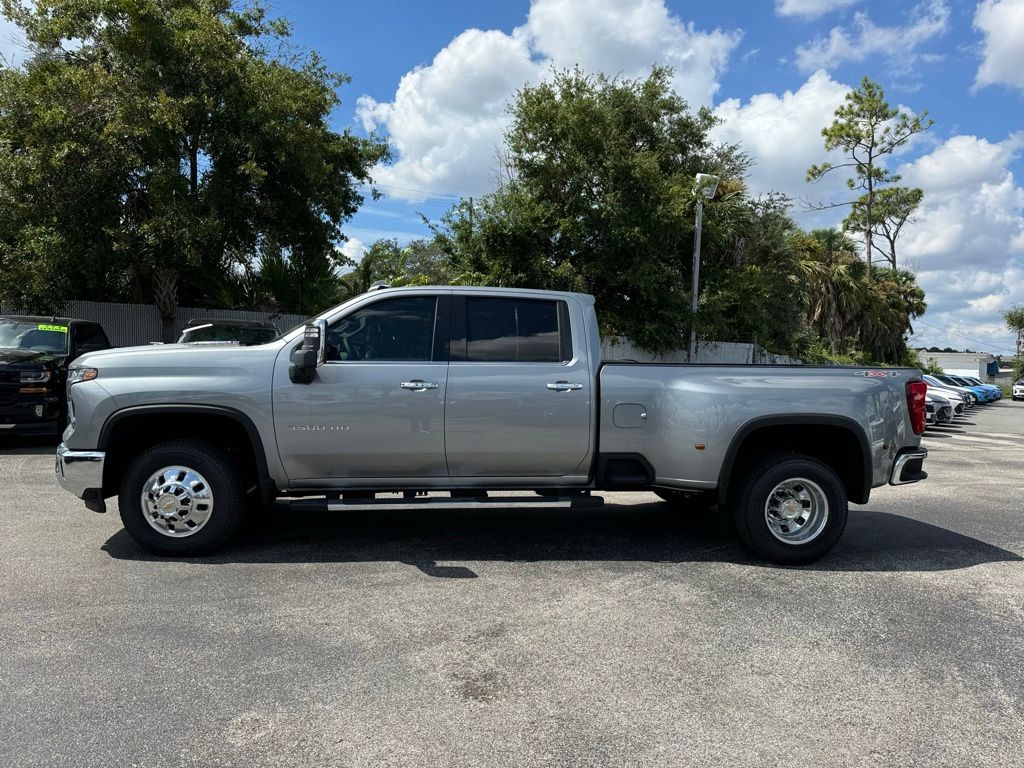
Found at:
<point>435,77</point>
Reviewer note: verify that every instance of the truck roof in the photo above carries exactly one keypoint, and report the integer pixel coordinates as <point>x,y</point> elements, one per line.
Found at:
<point>585,298</point>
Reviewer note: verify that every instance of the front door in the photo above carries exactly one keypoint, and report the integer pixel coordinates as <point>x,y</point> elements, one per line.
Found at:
<point>520,399</point>
<point>376,406</point>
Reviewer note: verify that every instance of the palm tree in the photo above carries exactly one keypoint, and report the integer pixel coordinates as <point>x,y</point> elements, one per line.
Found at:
<point>833,284</point>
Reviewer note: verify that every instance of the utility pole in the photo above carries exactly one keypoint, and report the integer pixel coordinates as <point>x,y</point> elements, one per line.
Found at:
<point>704,190</point>
<point>696,281</point>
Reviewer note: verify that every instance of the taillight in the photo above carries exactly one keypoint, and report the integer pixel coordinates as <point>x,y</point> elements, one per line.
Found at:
<point>915,402</point>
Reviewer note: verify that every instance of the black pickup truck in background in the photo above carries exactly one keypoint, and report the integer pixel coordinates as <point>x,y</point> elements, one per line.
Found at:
<point>34,357</point>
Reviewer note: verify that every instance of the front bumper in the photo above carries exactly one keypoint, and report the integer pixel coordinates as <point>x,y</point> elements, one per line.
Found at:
<point>908,466</point>
<point>81,473</point>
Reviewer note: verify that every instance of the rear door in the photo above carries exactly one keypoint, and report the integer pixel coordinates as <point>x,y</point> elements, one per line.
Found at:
<point>519,400</point>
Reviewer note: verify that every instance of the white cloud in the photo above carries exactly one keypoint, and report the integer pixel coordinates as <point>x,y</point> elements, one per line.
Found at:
<point>968,239</point>
<point>1002,24</point>
<point>353,248</point>
<point>626,37</point>
<point>447,118</point>
<point>869,40</point>
<point>783,136</point>
<point>810,9</point>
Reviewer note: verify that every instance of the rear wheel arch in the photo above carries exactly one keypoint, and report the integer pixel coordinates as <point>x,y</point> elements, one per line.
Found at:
<point>129,431</point>
<point>837,441</point>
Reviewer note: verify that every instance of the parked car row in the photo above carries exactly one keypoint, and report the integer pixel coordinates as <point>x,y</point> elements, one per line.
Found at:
<point>949,397</point>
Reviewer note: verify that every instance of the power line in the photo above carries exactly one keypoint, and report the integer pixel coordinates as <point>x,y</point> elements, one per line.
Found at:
<point>427,195</point>
<point>986,344</point>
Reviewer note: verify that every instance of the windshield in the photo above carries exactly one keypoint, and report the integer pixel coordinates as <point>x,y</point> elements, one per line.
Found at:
<point>244,335</point>
<point>38,337</point>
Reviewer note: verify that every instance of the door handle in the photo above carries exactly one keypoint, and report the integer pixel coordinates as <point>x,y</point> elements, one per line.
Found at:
<point>564,386</point>
<point>418,385</point>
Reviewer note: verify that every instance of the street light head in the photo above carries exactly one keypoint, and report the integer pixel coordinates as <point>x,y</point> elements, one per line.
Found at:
<point>706,185</point>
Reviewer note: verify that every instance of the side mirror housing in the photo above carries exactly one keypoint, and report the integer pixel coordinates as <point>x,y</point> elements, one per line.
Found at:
<point>306,358</point>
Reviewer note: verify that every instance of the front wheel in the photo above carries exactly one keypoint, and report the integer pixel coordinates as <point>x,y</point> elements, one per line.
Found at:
<point>182,497</point>
<point>790,509</point>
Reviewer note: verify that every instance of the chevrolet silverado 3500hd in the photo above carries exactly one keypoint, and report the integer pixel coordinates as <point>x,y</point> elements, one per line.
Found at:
<point>468,390</point>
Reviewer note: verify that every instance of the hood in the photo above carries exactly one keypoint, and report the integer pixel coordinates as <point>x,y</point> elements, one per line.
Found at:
<point>177,358</point>
<point>30,357</point>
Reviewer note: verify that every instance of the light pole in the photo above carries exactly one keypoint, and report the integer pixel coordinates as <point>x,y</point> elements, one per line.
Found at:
<point>704,190</point>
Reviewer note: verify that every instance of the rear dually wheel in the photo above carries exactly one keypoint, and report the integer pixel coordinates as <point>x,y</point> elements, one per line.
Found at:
<point>789,508</point>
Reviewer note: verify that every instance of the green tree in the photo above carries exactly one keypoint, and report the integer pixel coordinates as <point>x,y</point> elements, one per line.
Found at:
<point>599,198</point>
<point>893,207</point>
<point>147,145</point>
<point>857,316</point>
<point>1014,319</point>
<point>833,286</point>
<point>421,262</point>
<point>867,130</point>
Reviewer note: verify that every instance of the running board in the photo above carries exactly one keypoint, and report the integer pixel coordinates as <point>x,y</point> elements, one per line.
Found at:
<point>444,502</point>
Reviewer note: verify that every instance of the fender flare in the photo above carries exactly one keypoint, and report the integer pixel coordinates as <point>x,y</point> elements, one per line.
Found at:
<point>266,484</point>
<point>796,419</point>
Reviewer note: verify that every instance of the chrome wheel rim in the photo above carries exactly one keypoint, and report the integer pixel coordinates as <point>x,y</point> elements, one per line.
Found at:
<point>796,510</point>
<point>177,501</point>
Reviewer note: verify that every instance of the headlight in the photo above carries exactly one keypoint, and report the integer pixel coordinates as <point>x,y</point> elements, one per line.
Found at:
<point>78,375</point>
<point>35,377</point>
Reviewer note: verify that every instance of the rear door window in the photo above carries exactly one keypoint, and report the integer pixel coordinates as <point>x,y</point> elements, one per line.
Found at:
<point>497,330</point>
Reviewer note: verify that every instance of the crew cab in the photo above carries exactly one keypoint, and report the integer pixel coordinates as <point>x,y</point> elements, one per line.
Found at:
<point>34,356</point>
<point>463,391</point>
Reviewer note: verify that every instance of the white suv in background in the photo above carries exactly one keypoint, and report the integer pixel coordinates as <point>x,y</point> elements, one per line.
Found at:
<point>1018,389</point>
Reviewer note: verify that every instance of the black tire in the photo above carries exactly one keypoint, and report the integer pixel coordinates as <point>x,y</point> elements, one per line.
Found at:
<point>751,496</point>
<point>226,485</point>
<point>693,501</point>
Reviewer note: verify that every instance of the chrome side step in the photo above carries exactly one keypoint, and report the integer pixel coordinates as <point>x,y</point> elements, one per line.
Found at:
<point>444,502</point>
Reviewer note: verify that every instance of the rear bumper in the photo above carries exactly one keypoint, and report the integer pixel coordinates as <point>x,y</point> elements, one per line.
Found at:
<point>81,473</point>
<point>908,466</point>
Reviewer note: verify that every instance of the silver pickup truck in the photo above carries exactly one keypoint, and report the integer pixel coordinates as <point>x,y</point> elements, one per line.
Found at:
<point>399,394</point>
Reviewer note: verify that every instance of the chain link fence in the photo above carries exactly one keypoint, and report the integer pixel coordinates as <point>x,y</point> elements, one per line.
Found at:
<point>741,353</point>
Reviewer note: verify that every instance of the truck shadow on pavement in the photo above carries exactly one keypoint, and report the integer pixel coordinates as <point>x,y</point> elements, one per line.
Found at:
<point>651,533</point>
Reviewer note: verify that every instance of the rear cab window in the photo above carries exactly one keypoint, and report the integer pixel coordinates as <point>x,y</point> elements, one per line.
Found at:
<point>510,330</point>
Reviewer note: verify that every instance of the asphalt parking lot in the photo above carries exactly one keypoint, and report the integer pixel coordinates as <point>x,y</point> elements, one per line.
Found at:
<point>627,636</point>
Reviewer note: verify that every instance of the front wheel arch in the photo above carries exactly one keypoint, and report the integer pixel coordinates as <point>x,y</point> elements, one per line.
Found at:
<point>129,431</point>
